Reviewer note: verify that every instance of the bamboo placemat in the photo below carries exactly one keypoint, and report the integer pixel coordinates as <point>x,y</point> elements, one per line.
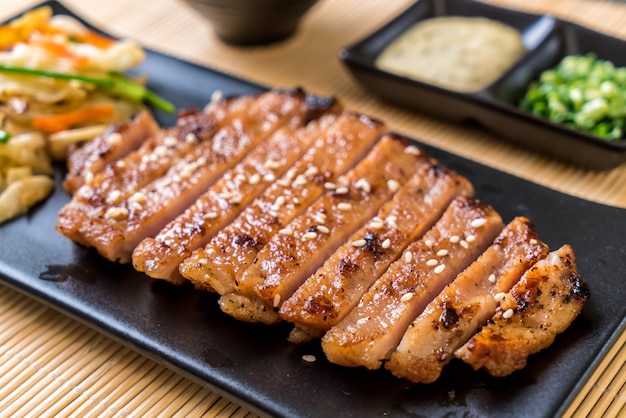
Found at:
<point>51,365</point>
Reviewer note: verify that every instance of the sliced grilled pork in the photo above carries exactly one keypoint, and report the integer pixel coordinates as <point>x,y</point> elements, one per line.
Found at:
<point>159,257</point>
<point>328,295</point>
<point>305,243</point>
<point>466,304</point>
<point>221,262</point>
<point>545,301</point>
<point>115,143</point>
<point>372,330</point>
<point>123,223</point>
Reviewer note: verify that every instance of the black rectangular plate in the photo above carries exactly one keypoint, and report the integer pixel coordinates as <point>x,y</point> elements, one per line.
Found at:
<point>184,329</point>
<point>546,40</point>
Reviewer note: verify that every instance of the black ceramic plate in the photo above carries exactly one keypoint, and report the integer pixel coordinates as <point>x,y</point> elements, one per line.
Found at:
<point>546,40</point>
<point>254,365</point>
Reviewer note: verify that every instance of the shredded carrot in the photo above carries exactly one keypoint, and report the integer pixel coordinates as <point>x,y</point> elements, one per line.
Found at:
<point>62,50</point>
<point>95,39</point>
<point>56,123</point>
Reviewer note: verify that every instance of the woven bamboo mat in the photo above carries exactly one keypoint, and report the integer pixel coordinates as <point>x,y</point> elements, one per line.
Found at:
<point>51,365</point>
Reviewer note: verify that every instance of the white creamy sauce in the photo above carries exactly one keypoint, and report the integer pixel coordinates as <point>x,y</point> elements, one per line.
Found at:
<point>458,53</point>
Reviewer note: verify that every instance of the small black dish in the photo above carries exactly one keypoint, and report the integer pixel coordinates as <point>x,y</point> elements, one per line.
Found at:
<point>546,41</point>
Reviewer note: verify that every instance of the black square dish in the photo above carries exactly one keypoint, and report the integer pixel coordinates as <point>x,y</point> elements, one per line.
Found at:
<point>546,41</point>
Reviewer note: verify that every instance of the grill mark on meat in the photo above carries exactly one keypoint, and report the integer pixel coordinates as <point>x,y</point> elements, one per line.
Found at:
<point>414,209</point>
<point>465,304</point>
<point>519,330</point>
<point>371,331</point>
<point>159,257</point>
<point>219,265</point>
<point>288,259</point>
<point>123,225</point>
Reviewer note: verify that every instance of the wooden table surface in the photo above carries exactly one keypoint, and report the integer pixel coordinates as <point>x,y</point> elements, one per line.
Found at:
<point>39,347</point>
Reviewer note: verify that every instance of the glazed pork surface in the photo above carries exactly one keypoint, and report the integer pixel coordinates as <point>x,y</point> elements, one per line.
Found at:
<point>327,296</point>
<point>371,331</point>
<point>545,301</point>
<point>466,304</point>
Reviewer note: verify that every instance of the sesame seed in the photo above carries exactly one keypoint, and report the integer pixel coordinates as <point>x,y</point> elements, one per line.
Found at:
<point>330,185</point>
<point>137,207</point>
<point>272,164</point>
<point>309,358</point>
<point>203,261</point>
<point>295,201</point>
<point>309,235</point>
<point>276,300</point>
<point>507,314</point>
<point>118,214</point>
<point>342,190</point>
<point>376,224</point>
<point>114,196</point>
<point>393,185</point>
<point>386,243</point>
<point>439,268</point>
<point>299,181</point>
<point>120,164</point>
<point>216,96</point>
<point>89,177</point>
<point>344,206</point>
<point>407,297</point>
<point>323,229</point>
<point>254,179</point>
<point>432,262</point>
<point>269,177</point>
<point>470,238</point>
<point>191,137</point>
<point>428,243</point>
<point>478,222</point>
<point>363,320</point>
<point>280,201</point>
<point>187,170</point>
<point>492,278</point>
<point>413,150</point>
<point>235,199</point>
<point>138,197</point>
<point>170,141</point>
<point>320,218</point>
<point>201,161</point>
<point>311,171</point>
<point>533,241</point>
<point>442,253</point>
<point>408,256</point>
<point>499,296</point>
<point>211,215</point>
<point>114,139</point>
<point>359,243</point>
<point>286,231</point>
<point>363,185</point>
<point>454,239</point>
<point>464,244</point>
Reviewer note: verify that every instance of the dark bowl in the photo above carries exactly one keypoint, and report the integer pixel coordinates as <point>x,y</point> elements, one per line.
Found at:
<point>546,40</point>
<point>253,22</point>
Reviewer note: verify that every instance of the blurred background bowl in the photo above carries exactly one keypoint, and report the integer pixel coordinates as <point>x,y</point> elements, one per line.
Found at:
<point>253,22</point>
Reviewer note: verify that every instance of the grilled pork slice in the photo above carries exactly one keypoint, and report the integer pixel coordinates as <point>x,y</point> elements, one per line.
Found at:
<point>327,296</point>
<point>466,304</point>
<point>115,143</point>
<point>123,223</point>
<point>159,257</point>
<point>118,181</point>
<point>222,261</point>
<point>545,301</point>
<point>372,330</point>
<point>305,243</point>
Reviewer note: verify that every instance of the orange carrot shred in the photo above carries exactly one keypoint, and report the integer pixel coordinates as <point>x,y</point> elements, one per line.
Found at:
<point>56,123</point>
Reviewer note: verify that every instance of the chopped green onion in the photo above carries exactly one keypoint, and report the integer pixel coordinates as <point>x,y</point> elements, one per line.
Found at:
<point>4,137</point>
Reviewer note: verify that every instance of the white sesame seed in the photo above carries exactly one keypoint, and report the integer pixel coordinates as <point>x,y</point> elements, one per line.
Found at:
<point>499,296</point>
<point>170,142</point>
<point>439,268</point>
<point>309,358</point>
<point>311,171</point>
<point>320,218</point>
<point>323,229</point>
<point>191,137</point>
<point>187,171</point>
<point>454,239</point>
<point>330,185</point>
<point>386,243</point>
<point>272,164</point>
<point>286,231</point>
<point>342,190</point>
<point>114,139</point>
<point>413,150</point>
<point>407,297</point>
<point>478,222</point>
<point>201,161</point>
<point>276,300</point>
<point>533,241</point>
<point>432,262</point>
<point>344,206</point>
<point>269,177</point>
<point>280,201</point>
<point>203,261</point>
<point>442,253</point>
<point>363,185</point>
<point>408,257</point>
<point>240,177</point>
<point>120,163</point>
<point>464,244</point>
<point>507,314</point>
<point>211,215</point>
<point>376,224</point>
<point>255,179</point>
<point>470,238</point>
<point>363,320</point>
<point>299,181</point>
<point>309,235</point>
<point>236,199</point>
<point>295,201</point>
<point>138,197</point>
<point>492,278</point>
<point>137,207</point>
<point>216,96</point>
<point>118,214</point>
<point>359,243</point>
<point>393,185</point>
<point>428,243</point>
<point>114,196</point>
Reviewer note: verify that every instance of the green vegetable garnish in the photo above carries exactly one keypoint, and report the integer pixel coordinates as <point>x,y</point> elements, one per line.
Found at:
<point>584,93</point>
<point>115,83</point>
<point>4,137</point>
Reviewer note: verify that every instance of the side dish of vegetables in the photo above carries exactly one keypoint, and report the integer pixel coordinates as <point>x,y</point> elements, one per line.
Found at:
<point>61,83</point>
<point>584,93</point>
